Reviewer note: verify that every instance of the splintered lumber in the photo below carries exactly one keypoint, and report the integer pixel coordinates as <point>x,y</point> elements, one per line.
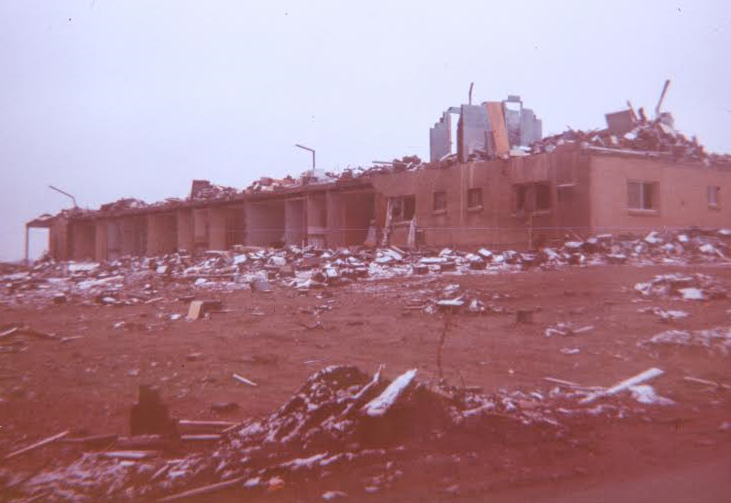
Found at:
<point>624,385</point>
<point>190,423</point>
<point>37,444</point>
<point>134,455</point>
<point>561,381</point>
<point>706,382</point>
<point>202,490</point>
<point>93,440</point>
<point>199,438</point>
<point>572,384</point>
<point>9,331</point>
<point>244,380</point>
<point>234,426</point>
<point>37,497</point>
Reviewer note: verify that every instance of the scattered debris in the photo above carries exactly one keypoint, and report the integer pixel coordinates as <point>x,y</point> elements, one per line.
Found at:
<point>716,339</point>
<point>686,286</point>
<point>665,316</point>
<point>135,280</point>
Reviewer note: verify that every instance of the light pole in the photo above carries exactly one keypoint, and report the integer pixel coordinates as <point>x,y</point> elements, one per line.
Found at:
<point>65,194</point>
<point>313,155</point>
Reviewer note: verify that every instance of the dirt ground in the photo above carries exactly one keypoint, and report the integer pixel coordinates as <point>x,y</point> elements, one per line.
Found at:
<point>659,453</point>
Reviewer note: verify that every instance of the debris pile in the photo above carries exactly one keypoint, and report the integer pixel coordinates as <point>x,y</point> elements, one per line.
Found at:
<point>124,204</point>
<point>340,415</point>
<point>649,137</point>
<point>666,316</point>
<point>715,340</point>
<point>683,286</point>
<point>202,190</point>
<point>132,280</point>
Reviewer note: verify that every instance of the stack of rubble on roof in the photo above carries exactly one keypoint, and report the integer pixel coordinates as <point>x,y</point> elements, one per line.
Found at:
<point>650,136</point>
<point>129,203</point>
<point>131,280</point>
<point>204,190</point>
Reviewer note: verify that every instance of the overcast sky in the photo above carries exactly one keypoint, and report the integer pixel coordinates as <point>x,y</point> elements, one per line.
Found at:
<point>123,98</point>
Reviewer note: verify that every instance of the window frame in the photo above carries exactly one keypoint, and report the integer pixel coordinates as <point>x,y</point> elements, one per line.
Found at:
<point>643,186</point>
<point>715,201</point>
<point>480,204</point>
<point>439,196</point>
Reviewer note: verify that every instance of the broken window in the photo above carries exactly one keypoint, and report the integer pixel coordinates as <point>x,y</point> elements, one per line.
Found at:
<point>440,200</point>
<point>530,197</point>
<point>565,193</point>
<point>521,197</point>
<point>543,196</point>
<point>641,195</point>
<point>474,198</point>
<point>403,208</point>
<point>713,195</point>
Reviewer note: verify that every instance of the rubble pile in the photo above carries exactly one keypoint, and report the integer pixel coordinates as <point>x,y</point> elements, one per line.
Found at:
<point>715,340</point>
<point>131,280</point>
<point>203,190</point>
<point>124,204</point>
<point>687,287</point>
<point>340,415</point>
<point>654,136</point>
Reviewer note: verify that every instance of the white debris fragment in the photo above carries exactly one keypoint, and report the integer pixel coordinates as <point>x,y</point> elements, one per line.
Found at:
<point>691,293</point>
<point>300,463</point>
<point>82,266</point>
<point>252,483</point>
<point>624,385</point>
<point>331,495</point>
<point>485,253</point>
<point>644,393</point>
<point>383,402</point>
<point>653,238</point>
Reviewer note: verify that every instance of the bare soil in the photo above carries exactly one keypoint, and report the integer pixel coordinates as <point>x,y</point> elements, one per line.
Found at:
<point>674,453</point>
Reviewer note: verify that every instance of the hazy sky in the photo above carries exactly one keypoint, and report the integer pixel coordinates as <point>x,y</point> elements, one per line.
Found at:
<point>122,98</point>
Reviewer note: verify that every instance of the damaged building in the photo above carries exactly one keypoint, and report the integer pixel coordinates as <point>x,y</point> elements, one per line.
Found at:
<point>492,180</point>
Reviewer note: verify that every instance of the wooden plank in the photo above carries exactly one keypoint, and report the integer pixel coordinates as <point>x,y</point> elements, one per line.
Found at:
<point>244,380</point>
<point>624,385</point>
<point>199,438</point>
<point>202,490</point>
<point>43,442</point>
<point>134,455</point>
<point>205,424</point>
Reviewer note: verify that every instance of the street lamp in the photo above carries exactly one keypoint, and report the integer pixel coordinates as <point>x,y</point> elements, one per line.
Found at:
<point>65,194</point>
<point>313,155</point>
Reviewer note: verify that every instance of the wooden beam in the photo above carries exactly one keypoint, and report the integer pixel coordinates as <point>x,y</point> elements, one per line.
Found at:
<point>202,490</point>
<point>43,442</point>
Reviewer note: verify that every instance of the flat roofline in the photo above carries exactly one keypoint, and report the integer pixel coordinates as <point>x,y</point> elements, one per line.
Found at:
<point>171,206</point>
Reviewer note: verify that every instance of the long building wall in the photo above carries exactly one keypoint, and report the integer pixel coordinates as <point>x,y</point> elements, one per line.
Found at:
<point>516,202</point>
